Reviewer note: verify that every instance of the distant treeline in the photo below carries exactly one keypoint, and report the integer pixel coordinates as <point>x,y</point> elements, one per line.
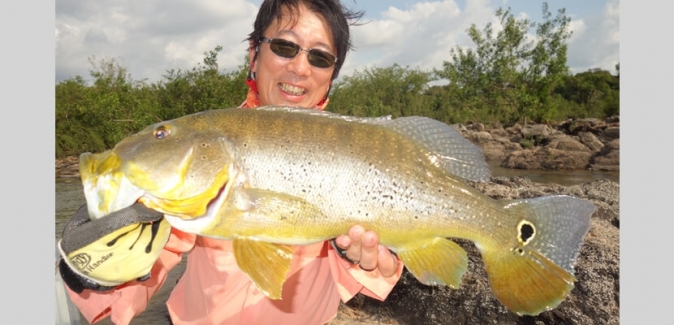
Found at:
<point>505,79</point>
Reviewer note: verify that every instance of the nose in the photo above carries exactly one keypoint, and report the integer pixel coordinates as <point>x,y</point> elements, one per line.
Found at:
<point>299,65</point>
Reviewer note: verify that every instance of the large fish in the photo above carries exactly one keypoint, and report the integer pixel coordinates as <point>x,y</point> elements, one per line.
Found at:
<point>274,177</point>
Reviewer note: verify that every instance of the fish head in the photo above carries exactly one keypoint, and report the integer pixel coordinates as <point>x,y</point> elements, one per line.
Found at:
<point>176,167</point>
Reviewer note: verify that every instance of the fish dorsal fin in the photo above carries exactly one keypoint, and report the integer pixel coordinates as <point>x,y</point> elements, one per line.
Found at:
<point>448,148</point>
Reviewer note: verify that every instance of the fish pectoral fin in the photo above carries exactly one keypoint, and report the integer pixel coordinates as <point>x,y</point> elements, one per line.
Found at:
<point>258,213</point>
<point>266,264</point>
<point>438,261</point>
<point>271,208</point>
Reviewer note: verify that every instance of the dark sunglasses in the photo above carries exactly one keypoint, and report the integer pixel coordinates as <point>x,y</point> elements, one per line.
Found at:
<point>288,49</point>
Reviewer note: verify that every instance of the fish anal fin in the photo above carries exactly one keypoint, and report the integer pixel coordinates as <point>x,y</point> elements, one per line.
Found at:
<point>527,282</point>
<point>438,261</point>
<point>266,264</point>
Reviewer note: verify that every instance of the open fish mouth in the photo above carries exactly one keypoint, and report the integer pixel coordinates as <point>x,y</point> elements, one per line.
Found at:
<point>189,207</point>
<point>110,184</point>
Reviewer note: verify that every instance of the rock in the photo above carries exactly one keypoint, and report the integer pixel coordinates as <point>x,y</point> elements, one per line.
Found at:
<point>608,159</point>
<point>591,141</point>
<point>566,143</point>
<point>562,152</point>
<point>594,299</point>
<point>573,144</point>
<point>583,125</point>
<point>522,159</point>
<point>480,137</point>
<point>496,149</point>
<point>609,134</point>
<point>67,167</point>
<point>612,120</point>
<point>550,158</point>
<point>499,132</point>
<point>536,130</point>
<point>515,129</point>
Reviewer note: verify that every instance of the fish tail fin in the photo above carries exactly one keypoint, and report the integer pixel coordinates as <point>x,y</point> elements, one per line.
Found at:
<point>533,271</point>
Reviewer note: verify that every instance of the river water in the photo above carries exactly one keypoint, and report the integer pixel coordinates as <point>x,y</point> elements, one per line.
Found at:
<point>69,198</point>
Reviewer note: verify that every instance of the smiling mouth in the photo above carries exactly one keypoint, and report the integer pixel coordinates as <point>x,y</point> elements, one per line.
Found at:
<point>292,90</point>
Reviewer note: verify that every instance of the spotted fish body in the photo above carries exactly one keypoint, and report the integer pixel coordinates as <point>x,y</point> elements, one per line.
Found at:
<point>273,177</point>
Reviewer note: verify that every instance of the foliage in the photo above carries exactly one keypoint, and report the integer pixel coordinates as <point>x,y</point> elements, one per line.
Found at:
<point>202,88</point>
<point>394,90</point>
<point>595,93</point>
<point>508,77</point>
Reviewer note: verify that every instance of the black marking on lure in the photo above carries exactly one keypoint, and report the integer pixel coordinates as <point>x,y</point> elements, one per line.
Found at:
<point>155,230</point>
<point>112,242</point>
<point>140,233</point>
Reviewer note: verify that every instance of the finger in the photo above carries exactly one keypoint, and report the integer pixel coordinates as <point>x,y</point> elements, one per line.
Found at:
<point>386,262</point>
<point>343,242</point>
<point>356,237</point>
<point>369,251</point>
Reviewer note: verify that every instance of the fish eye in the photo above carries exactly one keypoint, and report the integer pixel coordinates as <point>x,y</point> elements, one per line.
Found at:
<point>161,132</point>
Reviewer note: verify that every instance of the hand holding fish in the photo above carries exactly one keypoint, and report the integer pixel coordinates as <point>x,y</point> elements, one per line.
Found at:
<point>362,248</point>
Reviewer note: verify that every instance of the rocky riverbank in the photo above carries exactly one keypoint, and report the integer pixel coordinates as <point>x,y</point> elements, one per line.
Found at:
<point>590,144</point>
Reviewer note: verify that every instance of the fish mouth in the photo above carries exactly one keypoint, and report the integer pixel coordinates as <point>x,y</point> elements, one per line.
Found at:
<point>110,185</point>
<point>189,207</point>
<point>105,189</point>
<point>204,221</point>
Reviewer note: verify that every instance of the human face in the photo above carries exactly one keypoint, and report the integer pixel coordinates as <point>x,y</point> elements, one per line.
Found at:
<point>294,82</point>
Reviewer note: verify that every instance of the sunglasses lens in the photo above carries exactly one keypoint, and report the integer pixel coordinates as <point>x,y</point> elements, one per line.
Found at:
<point>289,50</point>
<point>284,48</point>
<point>321,59</point>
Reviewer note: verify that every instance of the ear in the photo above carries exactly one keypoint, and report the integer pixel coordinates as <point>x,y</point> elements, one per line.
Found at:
<point>252,54</point>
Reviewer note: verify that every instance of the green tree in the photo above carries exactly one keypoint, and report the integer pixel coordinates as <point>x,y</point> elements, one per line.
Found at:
<point>394,90</point>
<point>202,88</point>
<point>593,93</point>
<point>509,77</point>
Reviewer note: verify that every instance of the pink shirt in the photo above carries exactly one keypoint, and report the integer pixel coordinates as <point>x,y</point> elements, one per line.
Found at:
<point>213,290</point>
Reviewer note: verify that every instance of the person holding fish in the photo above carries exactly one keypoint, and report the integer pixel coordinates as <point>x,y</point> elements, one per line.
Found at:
<point>296,50</point>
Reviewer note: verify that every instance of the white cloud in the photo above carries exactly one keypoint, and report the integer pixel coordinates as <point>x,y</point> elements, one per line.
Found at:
<point>152,36</point>
<point>149,36</point>
<point>596,40</point>
<point>420,37</point>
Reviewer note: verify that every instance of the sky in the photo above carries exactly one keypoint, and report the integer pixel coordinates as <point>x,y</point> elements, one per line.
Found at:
<point>152,36</point>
